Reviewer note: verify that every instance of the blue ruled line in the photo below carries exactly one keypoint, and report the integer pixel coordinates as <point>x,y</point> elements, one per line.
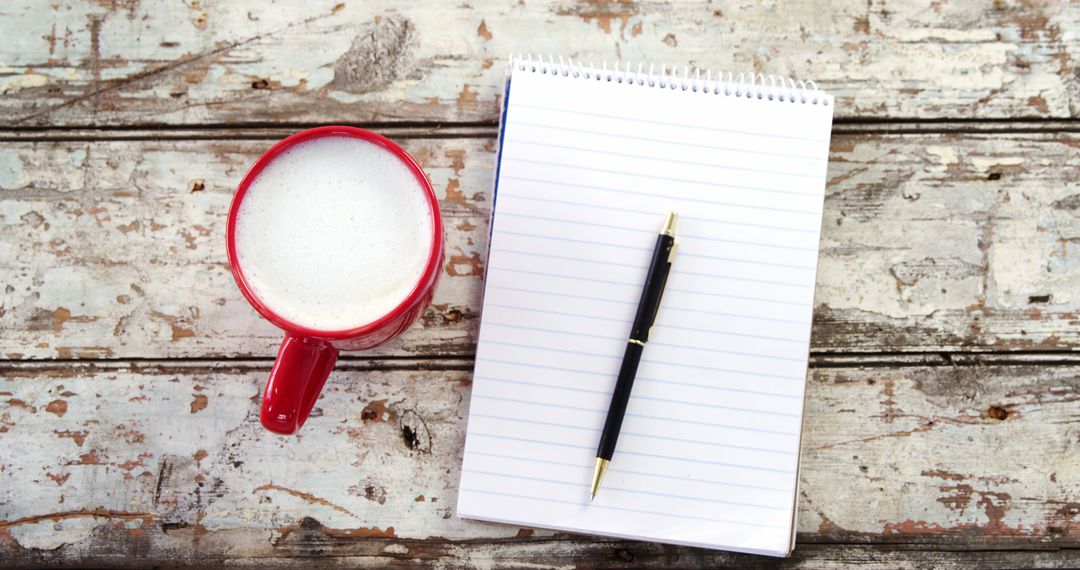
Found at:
<point>650,361</point>
<point>739,297</point>
<point>568,258</point>
<point>543,274</point>
<point>622,489</point>
<point>653,232</point>
<point>658,325</point>
<point>657,343</point>
<point>594,410</point>
<point>613,469</point>
<point>605,507</point>
<point>713,202</point>
<point>711,424</point>
<point>667,160</point>
<point>665,400</point>
<point>562,350</point>
<point>695,274</point>
<point>746,279</point>
<point>722,388</point>
<point>642,379</point>
<point>667,123</point>
<point>666,308</point>
<point>549,312</point>
<point>634,247</point>
<point>489,322</point>
<point>638,266</point>
<point>567,295</point>
<point>622,339</point>
<point>751,411</point>
<point>545,404</point>
<point>627,452</point>
<point>645,435</point>
<point>662,141</point>
<point>610,357</point>
<point>709,183</point>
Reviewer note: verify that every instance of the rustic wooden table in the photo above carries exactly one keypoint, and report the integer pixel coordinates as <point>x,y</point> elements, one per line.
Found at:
<point>943,416</point>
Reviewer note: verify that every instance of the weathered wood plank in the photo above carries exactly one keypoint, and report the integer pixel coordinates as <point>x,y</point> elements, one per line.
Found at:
<point>108,246</point>
<point>167,460</point>
<point>930,242</point>
<point>126,63</point>
<point>312,547</point>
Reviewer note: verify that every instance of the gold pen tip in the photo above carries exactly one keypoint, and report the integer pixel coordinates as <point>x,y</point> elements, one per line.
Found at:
<point>669,223</point>
<point>598,475</point>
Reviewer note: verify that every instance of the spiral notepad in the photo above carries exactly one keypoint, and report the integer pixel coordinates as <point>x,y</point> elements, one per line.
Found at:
<point>590,160</point>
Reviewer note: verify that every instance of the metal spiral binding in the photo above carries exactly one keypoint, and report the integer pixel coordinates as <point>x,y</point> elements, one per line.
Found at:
<point>748,85</point>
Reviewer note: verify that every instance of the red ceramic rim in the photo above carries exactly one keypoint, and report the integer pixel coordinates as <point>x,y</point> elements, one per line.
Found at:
<point>430,270</point>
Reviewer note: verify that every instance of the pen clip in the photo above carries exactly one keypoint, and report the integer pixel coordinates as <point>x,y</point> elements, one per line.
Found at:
<point>663,285</point>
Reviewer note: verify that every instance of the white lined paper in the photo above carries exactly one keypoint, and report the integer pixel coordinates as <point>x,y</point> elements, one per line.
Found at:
<point>708,453</point>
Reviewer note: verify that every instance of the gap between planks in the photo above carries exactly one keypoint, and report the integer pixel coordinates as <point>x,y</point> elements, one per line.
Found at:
<point>588,552</point>
<point>465,362</point>
<point>487,129</point>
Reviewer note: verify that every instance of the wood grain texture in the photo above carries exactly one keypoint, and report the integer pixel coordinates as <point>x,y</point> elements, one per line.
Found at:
<point>309,546</point>
<point>115,249</point>
<point>132,63</point>
<point>938,432</point>
<point>163,460</point>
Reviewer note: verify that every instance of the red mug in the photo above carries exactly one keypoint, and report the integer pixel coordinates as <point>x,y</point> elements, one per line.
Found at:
<point>307,356</point>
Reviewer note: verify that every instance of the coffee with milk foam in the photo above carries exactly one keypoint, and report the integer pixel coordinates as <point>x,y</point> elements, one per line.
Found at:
<point>334,233</point>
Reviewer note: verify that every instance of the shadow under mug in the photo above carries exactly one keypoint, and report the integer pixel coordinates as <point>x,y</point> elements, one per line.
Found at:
<point>307,356</point>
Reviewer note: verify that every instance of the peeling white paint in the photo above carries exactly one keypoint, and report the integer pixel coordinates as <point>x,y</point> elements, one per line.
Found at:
<point>14,84</point>
<point>985,163</point>
<point>12,174</point>
<point>946,156</point>
<point>958,35</point>
<point>50,535</point>
<point>1017,270</point>
<point>343,97</point>
<point>78,158</point>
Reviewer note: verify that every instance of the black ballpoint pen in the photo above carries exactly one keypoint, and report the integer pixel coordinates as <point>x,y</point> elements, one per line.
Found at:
<point>648,306</point>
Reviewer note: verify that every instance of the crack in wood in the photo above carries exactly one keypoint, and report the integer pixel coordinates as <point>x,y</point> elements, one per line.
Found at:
<point>153,72</point>
<point>54,517</point>
<point>306,497</point>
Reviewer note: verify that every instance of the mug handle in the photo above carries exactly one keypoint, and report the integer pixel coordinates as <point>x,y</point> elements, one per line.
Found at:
<point>301,369</point>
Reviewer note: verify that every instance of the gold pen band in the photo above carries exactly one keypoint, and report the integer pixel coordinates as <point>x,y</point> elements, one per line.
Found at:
<point>636,341</point>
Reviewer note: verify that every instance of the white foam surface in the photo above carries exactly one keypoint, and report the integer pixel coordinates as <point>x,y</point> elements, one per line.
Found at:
<point>333,233</point>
